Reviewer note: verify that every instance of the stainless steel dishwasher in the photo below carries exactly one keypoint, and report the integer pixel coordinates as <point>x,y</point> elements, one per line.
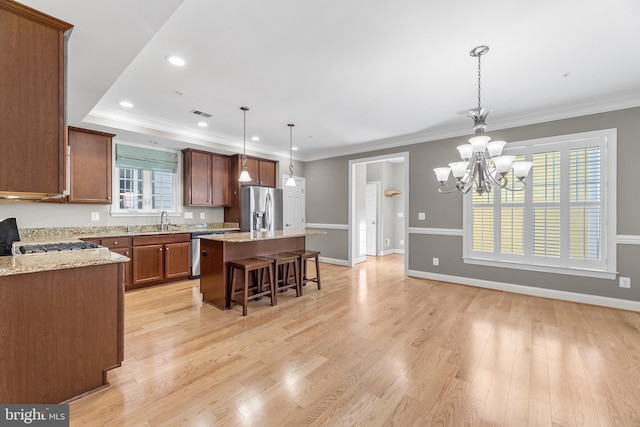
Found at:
<point>195,251</point>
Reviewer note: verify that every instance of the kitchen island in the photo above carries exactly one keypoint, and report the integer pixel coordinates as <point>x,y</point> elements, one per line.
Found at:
<point>218,249</point>
<point>62,317</point>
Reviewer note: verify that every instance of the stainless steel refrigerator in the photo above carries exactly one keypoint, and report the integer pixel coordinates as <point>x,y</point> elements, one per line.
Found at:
<point>260,209</point>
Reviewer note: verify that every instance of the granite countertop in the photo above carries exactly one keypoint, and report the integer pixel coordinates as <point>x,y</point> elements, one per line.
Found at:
<point>64,234</point>
<point>261,235</point>
<point>31,263</point>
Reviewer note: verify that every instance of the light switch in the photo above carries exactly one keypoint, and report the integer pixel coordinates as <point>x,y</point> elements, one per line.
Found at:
<point>188,215</point>
<point>422,216</point>
<point>95,216</point>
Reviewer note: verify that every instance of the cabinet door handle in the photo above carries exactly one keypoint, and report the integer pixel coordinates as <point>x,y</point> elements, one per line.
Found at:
<point>160,249</point>
<point>115,243</point>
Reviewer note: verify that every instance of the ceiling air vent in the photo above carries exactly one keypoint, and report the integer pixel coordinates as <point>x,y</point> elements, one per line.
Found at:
<point>201,113</point>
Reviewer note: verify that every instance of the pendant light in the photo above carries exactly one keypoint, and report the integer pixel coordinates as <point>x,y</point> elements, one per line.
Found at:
<point>290,181</point>
<point>244,175</point>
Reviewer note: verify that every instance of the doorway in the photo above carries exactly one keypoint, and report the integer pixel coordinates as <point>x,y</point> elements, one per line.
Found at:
<point>358,229</point>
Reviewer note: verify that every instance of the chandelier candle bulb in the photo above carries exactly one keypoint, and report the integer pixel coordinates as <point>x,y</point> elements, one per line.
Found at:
<point>466,151</point>
<point>442,174</point>
<point>521,169</point>
<point>458,169</point>
<point>479,143</point>
<point>503,163</point>
<point>495,148</point>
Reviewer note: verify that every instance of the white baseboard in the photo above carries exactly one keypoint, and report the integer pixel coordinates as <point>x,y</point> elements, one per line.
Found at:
<point>529,290</point>
<point>336,261</point>
<point>393,251</point>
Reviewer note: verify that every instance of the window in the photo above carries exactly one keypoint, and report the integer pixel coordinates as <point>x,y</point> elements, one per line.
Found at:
<point>145,181</point>
<point>564,221</point>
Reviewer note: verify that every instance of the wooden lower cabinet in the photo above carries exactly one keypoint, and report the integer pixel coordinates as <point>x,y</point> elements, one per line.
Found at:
<point>122,246</point>
<point>61,331</point>
<point>160,258</point>
<point>177,260</point>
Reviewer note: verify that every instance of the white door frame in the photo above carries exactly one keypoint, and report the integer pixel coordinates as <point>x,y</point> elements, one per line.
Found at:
<point>378,221</point>
<point>352,207</point>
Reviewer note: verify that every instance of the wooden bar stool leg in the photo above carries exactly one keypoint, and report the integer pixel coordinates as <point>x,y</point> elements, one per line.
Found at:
<point>318,270</point>
<point>245,295</point>
<point>296,277</point>
<point>274,297</point>
<point>231,286</point>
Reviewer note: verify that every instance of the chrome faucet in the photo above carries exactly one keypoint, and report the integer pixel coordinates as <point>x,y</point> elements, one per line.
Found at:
<point>162,224</point>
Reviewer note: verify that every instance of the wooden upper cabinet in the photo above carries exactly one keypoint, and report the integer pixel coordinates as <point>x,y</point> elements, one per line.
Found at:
<point>32,108</point>
<point>90,166</point>
<point>261,171</point>
<point>267,173</point>
<point>220,180</point>
<point>253,167</point>
<point>206,179</point>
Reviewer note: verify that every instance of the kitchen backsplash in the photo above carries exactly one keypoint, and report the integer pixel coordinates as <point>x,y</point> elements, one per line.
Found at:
<point>46,215</point>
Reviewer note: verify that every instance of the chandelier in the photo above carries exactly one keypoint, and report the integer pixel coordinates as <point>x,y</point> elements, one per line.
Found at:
<point>482,161</point>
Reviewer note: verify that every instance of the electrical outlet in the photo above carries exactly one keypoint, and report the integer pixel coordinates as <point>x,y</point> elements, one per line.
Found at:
<point>188,215</point>
<point>400,214</point>
<point>387,242</point>
<point>95,216</point>
<point>201,215</point>
<point>436,261</point>
<point>625,282</point>
<point>422,216</point>
<point>402,242</point>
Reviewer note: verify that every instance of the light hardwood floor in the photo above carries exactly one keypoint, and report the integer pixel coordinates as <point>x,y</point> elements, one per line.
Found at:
<point>371,348</point>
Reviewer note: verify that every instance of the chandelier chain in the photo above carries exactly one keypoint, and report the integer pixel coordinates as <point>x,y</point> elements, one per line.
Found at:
<point>479,80</point>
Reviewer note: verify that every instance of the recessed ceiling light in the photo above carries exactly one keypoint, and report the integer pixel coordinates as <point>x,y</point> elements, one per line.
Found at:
<point>255,138</point>
<point>126,104</point>
<point>202,124</point>
<point>175,60</point>
<point>153,142</point>
<point>294,148</point>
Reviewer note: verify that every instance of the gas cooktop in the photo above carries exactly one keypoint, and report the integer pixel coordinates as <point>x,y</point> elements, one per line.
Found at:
<point>55,247</point>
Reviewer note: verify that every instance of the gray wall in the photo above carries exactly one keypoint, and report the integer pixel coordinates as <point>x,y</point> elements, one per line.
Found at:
<point>328,203</point>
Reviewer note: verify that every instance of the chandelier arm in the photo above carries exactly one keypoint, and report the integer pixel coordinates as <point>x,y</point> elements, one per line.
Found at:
<point>446,190</point>
<point>522,187</point>
<point>472,171</point>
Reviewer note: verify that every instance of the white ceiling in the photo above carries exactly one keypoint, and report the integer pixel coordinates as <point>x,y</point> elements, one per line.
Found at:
<point>351,75</point>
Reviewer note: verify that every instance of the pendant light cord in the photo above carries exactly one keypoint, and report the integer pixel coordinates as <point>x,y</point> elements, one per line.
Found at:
<point>291,125</point>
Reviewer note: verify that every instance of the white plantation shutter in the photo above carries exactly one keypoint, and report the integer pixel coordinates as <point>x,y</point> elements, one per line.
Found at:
<point>563,220</point>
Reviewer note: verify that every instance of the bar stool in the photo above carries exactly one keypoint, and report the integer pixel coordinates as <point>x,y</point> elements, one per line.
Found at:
<point>259,266</point>
<point>304,256</point>
<point>281,263</point>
